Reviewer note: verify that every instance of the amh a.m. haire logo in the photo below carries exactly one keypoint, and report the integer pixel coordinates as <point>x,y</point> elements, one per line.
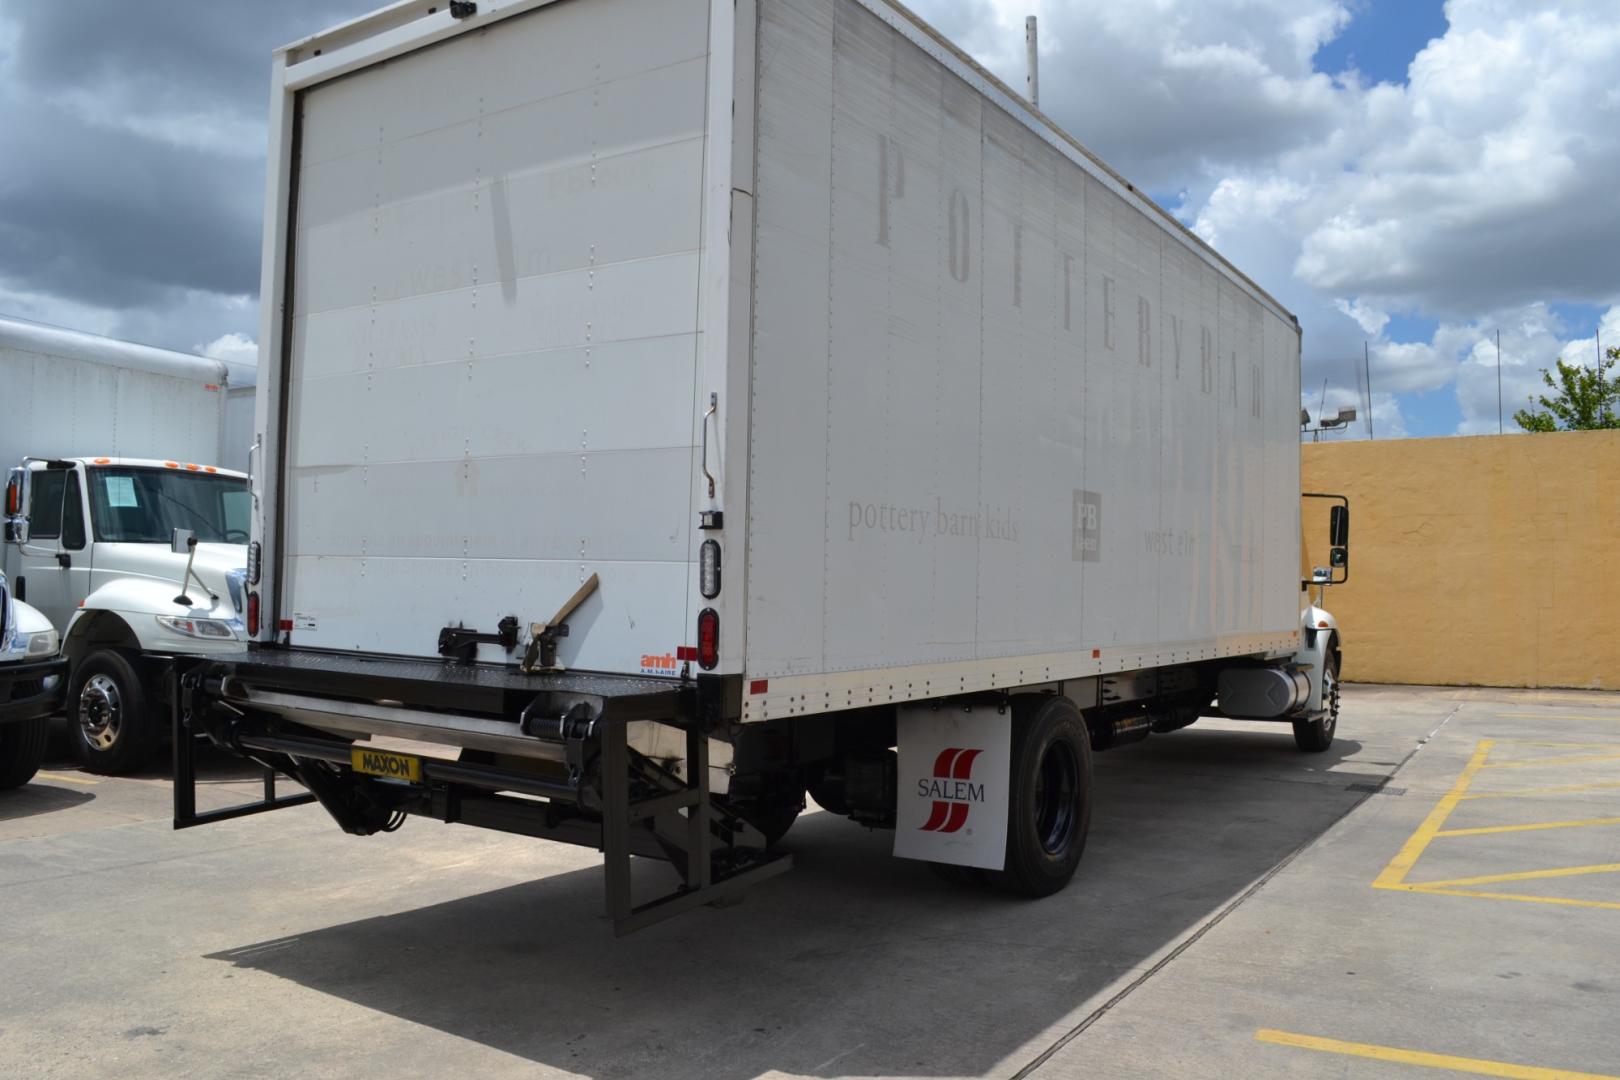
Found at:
<point>952,789</point>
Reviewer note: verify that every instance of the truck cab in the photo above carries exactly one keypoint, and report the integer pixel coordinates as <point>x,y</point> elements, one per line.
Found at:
<point>30,687</point>
<point>91,544</point>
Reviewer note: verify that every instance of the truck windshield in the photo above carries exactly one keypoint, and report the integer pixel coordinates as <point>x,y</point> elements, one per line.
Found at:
<point>145,506</point>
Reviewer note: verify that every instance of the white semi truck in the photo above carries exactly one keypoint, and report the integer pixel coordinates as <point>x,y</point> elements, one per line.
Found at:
<point>673,407</point>
<point>89,539</point>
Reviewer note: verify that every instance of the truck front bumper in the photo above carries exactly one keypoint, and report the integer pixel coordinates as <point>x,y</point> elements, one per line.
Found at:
<point>31,690</point>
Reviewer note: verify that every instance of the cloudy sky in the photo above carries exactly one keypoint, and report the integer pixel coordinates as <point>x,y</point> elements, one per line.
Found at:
<point>1412,174</point>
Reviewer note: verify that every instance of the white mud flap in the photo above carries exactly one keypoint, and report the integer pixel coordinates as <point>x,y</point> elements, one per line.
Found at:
<point>952,785</point>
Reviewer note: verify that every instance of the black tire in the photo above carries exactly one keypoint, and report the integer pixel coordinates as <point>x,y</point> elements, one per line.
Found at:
<point>1049,808</point>
<point>110,721</point>
<point>22,750</point>
<point>1315,736</point>
<point>829,796</point>
<point>774,815</point>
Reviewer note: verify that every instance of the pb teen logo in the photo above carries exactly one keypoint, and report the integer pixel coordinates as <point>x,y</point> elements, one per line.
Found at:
<point>952,789</point>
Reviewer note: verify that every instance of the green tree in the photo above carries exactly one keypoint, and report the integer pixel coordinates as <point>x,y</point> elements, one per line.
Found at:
<point>1582,399</point>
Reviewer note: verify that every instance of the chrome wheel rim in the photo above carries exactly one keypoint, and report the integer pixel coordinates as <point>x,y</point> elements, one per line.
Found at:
<point>1330,695</point>
<point>101,712</point>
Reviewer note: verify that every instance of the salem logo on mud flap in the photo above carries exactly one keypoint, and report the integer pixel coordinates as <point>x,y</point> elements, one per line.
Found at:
<point>952,789</point>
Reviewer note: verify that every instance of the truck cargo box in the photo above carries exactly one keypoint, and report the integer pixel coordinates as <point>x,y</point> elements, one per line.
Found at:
<point>576,288</point>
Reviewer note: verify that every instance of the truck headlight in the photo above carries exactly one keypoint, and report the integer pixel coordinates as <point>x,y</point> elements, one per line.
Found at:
<point>43,643</point>
<point>198,628</point>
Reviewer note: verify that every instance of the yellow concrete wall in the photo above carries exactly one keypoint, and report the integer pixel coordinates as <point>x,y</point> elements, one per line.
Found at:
<point>1486,561</point>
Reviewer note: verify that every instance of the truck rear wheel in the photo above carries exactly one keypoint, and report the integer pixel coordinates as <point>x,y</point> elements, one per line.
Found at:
<point>109,719</point>
<point>1049,809</point>
<point>1315,736</point>
<point>22,750</point>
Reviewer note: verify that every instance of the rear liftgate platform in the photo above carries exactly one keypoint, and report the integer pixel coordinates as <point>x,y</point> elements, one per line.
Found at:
<point>584,783</point>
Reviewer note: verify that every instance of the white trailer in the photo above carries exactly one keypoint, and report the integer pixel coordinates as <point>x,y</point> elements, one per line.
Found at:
<point>670,407</point>
<point>69,394</point>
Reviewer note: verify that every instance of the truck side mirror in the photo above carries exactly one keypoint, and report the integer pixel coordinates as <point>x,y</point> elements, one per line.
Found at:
<point>1339,537</point>
<point>183,541</point>
<point>16,502</point>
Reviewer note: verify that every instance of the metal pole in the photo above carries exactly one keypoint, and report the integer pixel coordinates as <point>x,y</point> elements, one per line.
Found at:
<point>1499,382</point>
<point>1366,362</point>
<point>1031,36</point>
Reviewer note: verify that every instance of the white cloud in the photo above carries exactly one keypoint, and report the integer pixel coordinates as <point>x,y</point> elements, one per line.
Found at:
<point>1477,194</point>
<point>1532,339</point>
<point>1165,88</point>
<point>1371,320</point>
<point>233,348</point>
<point>119,107</point>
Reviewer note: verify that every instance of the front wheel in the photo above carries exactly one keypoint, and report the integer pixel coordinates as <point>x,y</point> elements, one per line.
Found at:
<point>109,718</point>
<point>1315,736</point>
<point>22,751</point>
<point>1049,808</point>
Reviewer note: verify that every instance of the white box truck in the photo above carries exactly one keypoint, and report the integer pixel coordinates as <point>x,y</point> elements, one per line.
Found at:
<point>671,407</point>
<point>111,447</point>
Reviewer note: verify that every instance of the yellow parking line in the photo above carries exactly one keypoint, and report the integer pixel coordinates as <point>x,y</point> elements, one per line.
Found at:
<point>67,778</point>
<point>1553,716</point>
<point>1610,745</point>
<point>1396,1054</point>
<point>1488,829</point>
<point>1578,759</point>
<point>1524,875</point>
<point>1562,901</point>
<point>1564,789</point>
<point>1402,863</point>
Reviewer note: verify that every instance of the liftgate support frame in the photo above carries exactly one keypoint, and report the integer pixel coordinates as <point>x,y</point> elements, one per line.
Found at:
<point>635,808</point>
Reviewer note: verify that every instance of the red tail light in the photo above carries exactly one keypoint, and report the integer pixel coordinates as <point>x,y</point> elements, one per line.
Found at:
<point>253,614</point>
<point>708,638</point>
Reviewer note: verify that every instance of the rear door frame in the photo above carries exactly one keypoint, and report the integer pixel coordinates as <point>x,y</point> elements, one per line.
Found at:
<point>416,24</point>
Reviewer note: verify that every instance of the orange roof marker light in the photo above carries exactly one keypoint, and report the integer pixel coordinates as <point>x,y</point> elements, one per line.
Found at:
<point>103,461</point>
<point>193,468</point>
<point>171,464</point>
<point>209,468</point>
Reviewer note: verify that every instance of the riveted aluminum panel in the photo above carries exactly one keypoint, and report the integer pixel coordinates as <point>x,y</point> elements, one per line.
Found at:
<point>1005,423</point>
<point>497,251</point>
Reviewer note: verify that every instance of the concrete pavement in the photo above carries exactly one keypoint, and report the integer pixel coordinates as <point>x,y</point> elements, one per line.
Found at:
<point>1225,923</point>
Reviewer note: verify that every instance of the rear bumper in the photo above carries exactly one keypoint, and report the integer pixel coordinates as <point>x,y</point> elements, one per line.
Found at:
<point>29,691</point>
<point>498,710</point>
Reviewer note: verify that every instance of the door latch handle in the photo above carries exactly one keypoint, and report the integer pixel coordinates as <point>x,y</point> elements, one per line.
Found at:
<point>714,407</point>
<point>64,560</point>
